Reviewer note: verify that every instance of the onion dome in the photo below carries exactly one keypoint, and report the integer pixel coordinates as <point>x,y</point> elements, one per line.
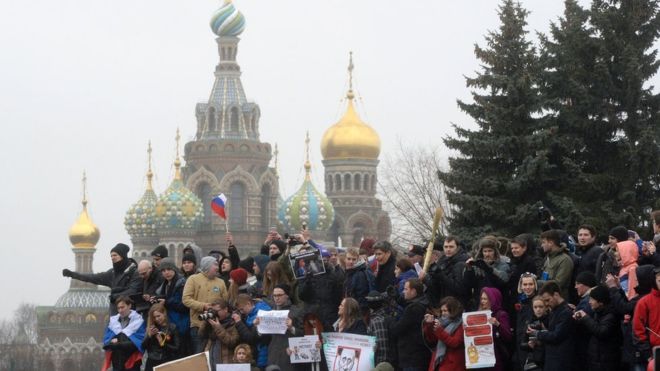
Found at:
<point>307,205</point>
<point>84,233</point>
<point>350,137</point>
<point>83,299</point>
<point>140,218</point>
<point>178,207</point>
<point>227,21</point>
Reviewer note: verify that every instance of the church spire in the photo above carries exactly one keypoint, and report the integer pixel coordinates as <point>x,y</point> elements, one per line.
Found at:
<point>308,164</point>
<point>349,94</point>
<point>150,174</point>
<point>177,160</point>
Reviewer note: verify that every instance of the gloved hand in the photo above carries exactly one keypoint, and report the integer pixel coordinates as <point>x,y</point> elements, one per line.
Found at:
<point>66,273</point>
<point>483,265</point>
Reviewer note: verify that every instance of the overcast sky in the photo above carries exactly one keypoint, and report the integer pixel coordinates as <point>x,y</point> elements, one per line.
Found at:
<point>86,84</point>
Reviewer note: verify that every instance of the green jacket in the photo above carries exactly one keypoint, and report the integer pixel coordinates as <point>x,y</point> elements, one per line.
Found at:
<point>559,267</point>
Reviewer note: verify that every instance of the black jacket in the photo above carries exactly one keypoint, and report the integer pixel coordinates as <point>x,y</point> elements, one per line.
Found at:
<point>356,284</point>
<point>168,351</point>
<point>407,332</point>
<point>588,257</point>
<point>605,340</point>
<point>559,339</point>
<point>445,278</point>
<point>385,276</point>
<point>322,295</point>
<point>358,328</point>
<point>149,287</point>
<point>122,282</point>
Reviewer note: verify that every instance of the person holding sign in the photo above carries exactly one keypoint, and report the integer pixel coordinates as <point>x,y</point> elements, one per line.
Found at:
<point>446,333</point>
<point>277,354</point>
<point>491,299</point>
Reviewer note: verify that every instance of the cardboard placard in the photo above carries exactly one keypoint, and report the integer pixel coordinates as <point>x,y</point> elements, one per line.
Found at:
<point>198,361</point>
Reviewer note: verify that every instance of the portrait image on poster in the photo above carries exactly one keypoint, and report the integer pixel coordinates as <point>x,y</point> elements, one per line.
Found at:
<point>307,262</point>
<point>347,359</point>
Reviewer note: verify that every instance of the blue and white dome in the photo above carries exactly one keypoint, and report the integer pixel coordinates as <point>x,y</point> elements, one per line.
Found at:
<point>227,21</point>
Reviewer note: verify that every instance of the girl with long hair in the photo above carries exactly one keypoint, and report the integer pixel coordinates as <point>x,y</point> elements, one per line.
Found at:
<point>446,334</point>
<point>350,318</point>
<point>162,341</point>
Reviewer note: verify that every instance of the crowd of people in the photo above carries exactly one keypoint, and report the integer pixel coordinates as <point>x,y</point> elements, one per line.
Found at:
<point>556,302</point>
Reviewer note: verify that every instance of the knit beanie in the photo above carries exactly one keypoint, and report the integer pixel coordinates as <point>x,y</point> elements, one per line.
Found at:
<point>281,245</point>
<point>284,287</point>
<point>239,276</point>
<point>189,258</point>
<point>160,251</point>
<point>206,263</point>
<point>601,294</point>
<point>368,244</point>
<point>247,264</point>
<point>262,261</point>
<point>121,250</point>
<point>586,278</point>
<point>168,263</point>
<point>620,233</point>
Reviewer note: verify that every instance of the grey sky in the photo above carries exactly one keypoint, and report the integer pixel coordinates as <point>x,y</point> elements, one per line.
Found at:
<point>85,85</point>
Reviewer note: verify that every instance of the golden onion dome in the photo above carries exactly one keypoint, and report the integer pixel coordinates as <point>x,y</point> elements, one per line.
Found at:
<point>350,137</point>
<point>84,233</point>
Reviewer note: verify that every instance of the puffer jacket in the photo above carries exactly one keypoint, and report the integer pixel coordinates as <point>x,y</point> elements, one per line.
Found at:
<point>356,283</point>
<point>248,334</point>
<point>445,278</point>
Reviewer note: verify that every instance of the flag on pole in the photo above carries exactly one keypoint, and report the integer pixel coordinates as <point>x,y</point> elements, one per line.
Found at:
<point>218,205</point>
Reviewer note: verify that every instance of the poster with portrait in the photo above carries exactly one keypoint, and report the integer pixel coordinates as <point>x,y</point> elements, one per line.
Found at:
<point>308,261</point>
<point>303,349</point>
<point>478,337</point>
<point>272,321</point>
<point>348,352</point>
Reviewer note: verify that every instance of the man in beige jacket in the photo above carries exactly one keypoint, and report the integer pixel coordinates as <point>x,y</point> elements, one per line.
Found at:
<point>200,291</point>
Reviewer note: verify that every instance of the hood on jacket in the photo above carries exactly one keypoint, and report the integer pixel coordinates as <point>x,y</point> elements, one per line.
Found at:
<point>628,252</point>
<point>495,297</point>
<point>488,242</point>
<point>645,279</point>
<point>262,261</point>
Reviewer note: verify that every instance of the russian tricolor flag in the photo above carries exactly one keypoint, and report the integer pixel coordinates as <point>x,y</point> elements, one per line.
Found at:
<point>218,205</point>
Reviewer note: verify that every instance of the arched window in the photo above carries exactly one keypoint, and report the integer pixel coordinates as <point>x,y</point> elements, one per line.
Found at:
<point>266,194</point>
<point>347,182</point>
<point>328,184</point>
<point>205,196</point>
<point>233,122</point>
<point>373,182</point>
<point>338,182</point>
<point>357,180</point>
<point>236,201</point>
<point>358,233</point>
<point>366,182</point>
<point>211,119</point>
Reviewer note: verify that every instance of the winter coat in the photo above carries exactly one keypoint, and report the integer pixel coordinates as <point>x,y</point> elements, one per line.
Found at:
<point>524,315</point>
<point>358,328</point>
<point>606,264</point>
<point>629,254</point>
<point>588,257</point>
<point>322,295</point>
<point>158,354</point>
<point>559,339</point>
<point>149,287</point>
<point>403,277</point>
<point>177,313</point>
<point>219,341</point>
<point>123,281</point>
<point>559,267</point>
<point>647,314</point>
<point>502,333</point>
<point>356,283</point>
<point>480,274</point>
<point>604,350</point>
<point>409,337</point>
<point>454,359</point>
<point>385,276</point>
<point>248,334</point>
<point>200,290</point>
<point>445,278</point>
<point>523,264</point>
<point>280,342</point>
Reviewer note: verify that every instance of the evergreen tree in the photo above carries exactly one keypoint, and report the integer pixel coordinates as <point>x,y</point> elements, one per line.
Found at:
<point>585,160</point>
<point>627,31</point>
<point>502,170</point>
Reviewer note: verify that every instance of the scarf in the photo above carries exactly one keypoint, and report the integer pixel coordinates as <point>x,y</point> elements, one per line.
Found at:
<point>441,348</point>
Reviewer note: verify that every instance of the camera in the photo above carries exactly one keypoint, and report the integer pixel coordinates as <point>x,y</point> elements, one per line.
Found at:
<point>209,314</point>
<point>155,299</point>
<point>534,325</point>
<point>291,239</point>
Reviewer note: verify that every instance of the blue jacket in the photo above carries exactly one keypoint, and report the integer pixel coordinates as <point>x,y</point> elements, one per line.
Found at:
<point>177,313</point>
<point>403,277</point>
<point>262,349</point>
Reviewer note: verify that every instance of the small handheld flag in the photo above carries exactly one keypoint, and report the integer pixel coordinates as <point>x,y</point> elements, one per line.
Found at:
<point>218,205</point>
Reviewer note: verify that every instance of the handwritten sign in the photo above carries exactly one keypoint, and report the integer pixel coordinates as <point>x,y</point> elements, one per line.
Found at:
<point>303,349</point>
<point>479,346</point>
<point>272,321</point>
<point>348,352</point>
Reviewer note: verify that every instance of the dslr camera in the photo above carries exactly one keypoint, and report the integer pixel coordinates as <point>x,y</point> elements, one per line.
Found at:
<point>534,325</point>
<point>209,314</point>
<point>154,299</point>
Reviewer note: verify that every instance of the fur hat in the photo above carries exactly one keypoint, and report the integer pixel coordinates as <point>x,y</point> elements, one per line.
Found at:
<point>620,233</point>
<point>601,294</point>
<point>206,263</point>
<point>586,278</point>
<point>160,251</point>
<point>239,276</point>
<point>121,250</point>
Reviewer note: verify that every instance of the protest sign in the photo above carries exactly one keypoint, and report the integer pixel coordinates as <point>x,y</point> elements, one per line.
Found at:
<point>478,337</point>
<point>348,352</point>
<point>303,349</point>
<point>195,362</point>
<point>272,321</point>
<point>308,261</point>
